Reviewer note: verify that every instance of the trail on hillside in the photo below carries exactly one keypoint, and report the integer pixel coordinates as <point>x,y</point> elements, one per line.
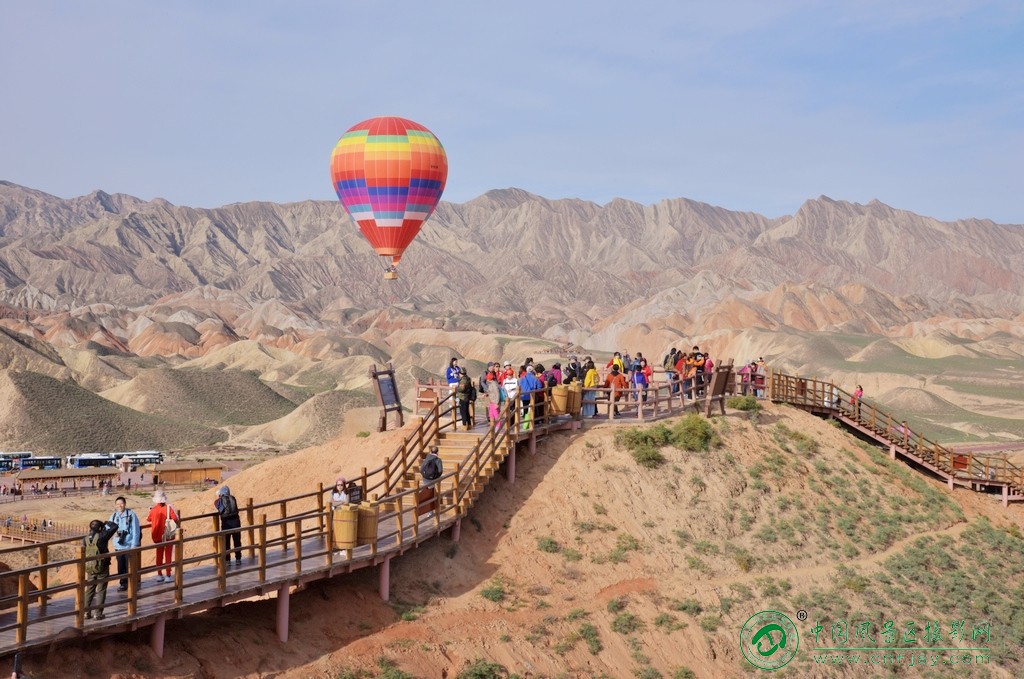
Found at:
<point>821,569</point>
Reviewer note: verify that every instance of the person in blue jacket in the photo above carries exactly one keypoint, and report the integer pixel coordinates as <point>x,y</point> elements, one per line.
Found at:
<point>129,534</point>
<point>528,383</point>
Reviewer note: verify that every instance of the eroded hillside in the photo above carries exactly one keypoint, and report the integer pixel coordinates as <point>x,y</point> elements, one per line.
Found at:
<point>591,565</point>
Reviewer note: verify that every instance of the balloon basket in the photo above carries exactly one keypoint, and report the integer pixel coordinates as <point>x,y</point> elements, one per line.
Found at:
<point>390,276</point>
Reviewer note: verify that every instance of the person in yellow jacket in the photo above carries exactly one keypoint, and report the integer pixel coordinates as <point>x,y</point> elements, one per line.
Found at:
<point>590,382</point>
<point>616,361</point>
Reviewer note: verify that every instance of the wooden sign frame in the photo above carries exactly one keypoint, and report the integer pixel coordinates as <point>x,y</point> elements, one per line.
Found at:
<point>387,395</point>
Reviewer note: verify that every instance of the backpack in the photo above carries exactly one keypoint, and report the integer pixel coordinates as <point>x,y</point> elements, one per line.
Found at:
<point>354,492</point>
<point>228,507</point>
<point>92,549</point>
<point>471,393</point>
<point>667,363</point>
<point>432,468</point>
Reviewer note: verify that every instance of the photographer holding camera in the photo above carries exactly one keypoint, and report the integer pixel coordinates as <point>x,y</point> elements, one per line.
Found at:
<point>129,534</point>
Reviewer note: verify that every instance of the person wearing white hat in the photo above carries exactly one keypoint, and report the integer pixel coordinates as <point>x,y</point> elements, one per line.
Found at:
<point>163,522</point>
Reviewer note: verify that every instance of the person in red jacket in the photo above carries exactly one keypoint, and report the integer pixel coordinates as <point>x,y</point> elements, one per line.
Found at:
<point>157,519</point>
<point>617,381</point>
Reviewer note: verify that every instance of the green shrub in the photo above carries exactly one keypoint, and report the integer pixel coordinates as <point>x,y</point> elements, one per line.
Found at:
<point>683,673</point>
<point>483,669</point>
<point>589,634</point>
<point>494,592</point>
<point>648,457</point>
<point>571,555</point>
<point>617,604</point>
<point>363,434</point>
<point>745,403</point>
<point>647,672</point>
<point>688,606</point>
<point>694,433</point>
<point>627,623</point>
<point>710,623</point>
<point>668,622</point>
<point>547,544</point>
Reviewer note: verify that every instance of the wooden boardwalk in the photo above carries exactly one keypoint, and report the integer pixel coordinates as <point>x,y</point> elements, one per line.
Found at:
<point>982,473</point>
<point>289,542</point>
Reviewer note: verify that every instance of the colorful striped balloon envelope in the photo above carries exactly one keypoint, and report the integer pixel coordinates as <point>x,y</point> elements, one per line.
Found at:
<point>389,174</point>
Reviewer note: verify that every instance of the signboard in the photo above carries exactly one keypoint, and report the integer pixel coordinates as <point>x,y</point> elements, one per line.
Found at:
<point>387,395</point>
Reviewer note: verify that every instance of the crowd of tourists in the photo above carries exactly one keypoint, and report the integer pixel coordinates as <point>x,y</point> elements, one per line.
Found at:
<point>628,376</point>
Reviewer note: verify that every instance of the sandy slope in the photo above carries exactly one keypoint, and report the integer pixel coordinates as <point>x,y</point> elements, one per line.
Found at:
<point>572,479</point>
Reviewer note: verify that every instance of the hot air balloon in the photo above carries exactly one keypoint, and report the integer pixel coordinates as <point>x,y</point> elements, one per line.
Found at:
<point>389,173</point>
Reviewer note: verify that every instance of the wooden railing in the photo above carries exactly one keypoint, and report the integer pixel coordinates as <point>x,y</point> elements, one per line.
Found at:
<point>819,394</point>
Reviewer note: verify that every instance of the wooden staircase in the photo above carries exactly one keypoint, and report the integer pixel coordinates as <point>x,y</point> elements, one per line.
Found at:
<point>978,472</point>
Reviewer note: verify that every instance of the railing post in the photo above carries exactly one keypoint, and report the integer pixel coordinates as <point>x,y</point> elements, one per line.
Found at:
<point>79,592</point>
<point>215,520</point>
<point>134,566</point>
<point>263,548</point>
<point>179,565</point>
<point>44,573</point>
<point>23,589</point>
<point>320,500</point>
<point>398,520</point>
<point>284,524</point>
<point>330,538</point>
<point>221,555</point>
<point>250,514</point>
<point>298,546</point>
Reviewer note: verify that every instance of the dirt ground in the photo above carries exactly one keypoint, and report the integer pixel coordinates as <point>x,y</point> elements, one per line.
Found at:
<point>438,620</point>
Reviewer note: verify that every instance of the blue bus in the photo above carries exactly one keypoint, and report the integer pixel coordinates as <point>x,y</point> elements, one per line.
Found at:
<point>91,460</point>
<point>41,462</point>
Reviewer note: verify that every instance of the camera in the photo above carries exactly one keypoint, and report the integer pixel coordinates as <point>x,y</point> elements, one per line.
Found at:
<point>121,534</point>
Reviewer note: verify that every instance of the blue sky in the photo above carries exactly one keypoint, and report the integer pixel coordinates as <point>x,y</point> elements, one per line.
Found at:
<point>748,105</point>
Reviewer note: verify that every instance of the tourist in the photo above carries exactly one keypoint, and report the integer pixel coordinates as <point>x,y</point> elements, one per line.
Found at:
<point>162,519</point>
<point>129,534</point>
<point>97,570</point>
<point>227,508</point>
<point>464,395</point>
<point>339,494</point>
<point>616,381</point>
<point>527,384</point>
<point>590,383</point>
<point>858,394</point>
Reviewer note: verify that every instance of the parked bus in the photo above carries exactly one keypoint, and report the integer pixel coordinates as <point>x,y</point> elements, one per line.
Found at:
<point>91,460</point>
<point>7,465</point>
<point>15,456</point>
<point>41,463</point>
<point>140,458</point>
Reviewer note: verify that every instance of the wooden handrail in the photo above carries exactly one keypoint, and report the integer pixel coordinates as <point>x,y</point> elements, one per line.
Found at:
<point>826,395</point>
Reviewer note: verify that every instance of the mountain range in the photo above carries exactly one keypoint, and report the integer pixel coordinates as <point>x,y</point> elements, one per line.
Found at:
<point>116,294</point>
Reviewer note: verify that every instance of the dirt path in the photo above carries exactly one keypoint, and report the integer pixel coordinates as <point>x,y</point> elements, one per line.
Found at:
<point>809,572</point>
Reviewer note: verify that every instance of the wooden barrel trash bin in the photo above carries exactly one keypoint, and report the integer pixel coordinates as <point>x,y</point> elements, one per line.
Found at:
<point>367,530</point>
<point>575,398</point>
<point>559,399</point>
<point>346,518</point>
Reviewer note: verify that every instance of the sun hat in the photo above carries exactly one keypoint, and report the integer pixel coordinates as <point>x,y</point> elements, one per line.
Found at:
<point>223,490</point>
<point>159,497</point>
